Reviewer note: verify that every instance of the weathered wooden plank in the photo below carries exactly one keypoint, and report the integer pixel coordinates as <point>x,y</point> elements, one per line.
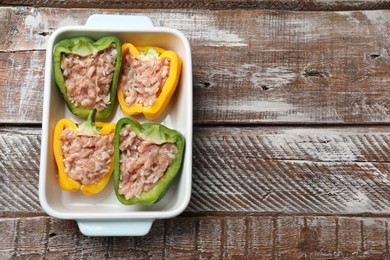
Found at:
<point>236,237</point>
<point>261,169</point>
<point>267,169</point>
<point>304,5</point>
<point>21,85</point>
<point>351,229</point>
<point>19,167</point>
<point>261,237</point>
<point>183,244</point>
<point>286,239</point>
<point>320,234</point>
<point>374,241</point>
<point>277,67</point>
<point>210,238</point>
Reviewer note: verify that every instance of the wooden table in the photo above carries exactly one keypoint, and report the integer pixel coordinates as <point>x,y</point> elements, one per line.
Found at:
<point>291,131</point>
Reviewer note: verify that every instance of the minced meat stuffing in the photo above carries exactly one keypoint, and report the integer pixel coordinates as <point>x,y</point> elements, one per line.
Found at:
<point>88,79</point>
<point>142,80</point>
<point>142,163</point>
<point>86,158</point>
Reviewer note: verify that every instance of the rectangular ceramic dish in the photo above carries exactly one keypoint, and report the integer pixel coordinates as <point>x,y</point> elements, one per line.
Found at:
<point>103,214</point>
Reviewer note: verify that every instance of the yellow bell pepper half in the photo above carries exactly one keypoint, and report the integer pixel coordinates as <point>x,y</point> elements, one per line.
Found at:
<point>153,111</point>
<point>65,181</point>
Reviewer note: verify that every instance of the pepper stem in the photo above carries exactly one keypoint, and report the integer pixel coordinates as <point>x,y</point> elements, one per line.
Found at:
<point>91,116</point>
<point>88,127</point>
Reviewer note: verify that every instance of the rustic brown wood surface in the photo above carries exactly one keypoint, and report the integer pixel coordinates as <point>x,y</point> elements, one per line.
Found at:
<point>291,137</point>
<point>204,237</point>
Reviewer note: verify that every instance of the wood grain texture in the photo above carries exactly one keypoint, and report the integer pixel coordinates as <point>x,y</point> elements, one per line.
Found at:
<point>19,168</point>
<point>303,5</point>
<point>277,67</point>
<point>272,170</point>
<point>263,170</point>
<point>262,187</point>
<point>241,237</point>
<point>21,87</point>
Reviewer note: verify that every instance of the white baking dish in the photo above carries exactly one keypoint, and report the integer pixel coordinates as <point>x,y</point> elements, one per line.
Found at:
<point>102,214</point>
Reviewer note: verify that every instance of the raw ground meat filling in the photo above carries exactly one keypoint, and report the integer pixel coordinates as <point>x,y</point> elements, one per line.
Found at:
<point>86,158</point>
<point>142,80</point>
<point>88,79</point>
<point>142,163</point>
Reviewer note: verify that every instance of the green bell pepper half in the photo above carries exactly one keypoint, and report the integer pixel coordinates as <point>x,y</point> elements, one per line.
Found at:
<point>156,134</point>
<point>84,46</point>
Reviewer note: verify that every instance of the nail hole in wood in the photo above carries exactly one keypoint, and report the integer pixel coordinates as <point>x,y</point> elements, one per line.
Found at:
<point>313,73</point>
<point>43,33</point>
<point>374,56</point>
<point>204,84</point>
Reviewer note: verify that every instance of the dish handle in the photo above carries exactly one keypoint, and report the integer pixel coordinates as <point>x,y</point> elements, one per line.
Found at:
<point>115,227</point>
<point>119,21</point>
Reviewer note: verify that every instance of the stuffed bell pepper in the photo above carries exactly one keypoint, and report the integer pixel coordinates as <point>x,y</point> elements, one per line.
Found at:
<point>86,73</point>
<point>148,157</point>
<point>148,79</point>
<point>84,154</point>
